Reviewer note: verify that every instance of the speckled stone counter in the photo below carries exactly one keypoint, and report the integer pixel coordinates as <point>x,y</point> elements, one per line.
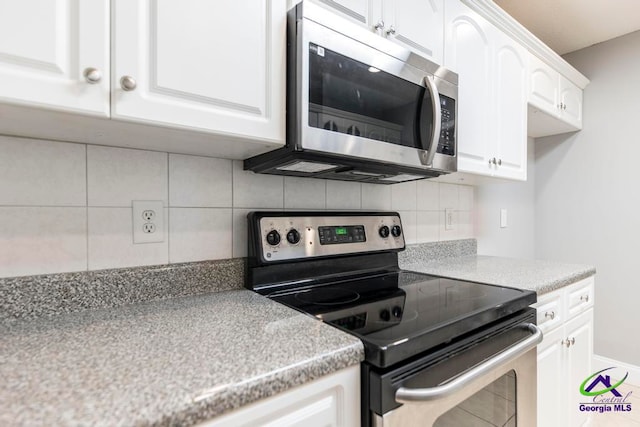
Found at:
<point>539,276</point>
<point>171,362</point>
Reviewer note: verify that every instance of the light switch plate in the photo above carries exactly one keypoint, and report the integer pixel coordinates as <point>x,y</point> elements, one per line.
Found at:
<point>448,219</point>
<point>148,221</point>
<point>503,218</point>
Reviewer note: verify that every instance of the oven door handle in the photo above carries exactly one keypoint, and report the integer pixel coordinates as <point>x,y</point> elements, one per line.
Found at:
<point>405,395</point>
<point>428,152</point>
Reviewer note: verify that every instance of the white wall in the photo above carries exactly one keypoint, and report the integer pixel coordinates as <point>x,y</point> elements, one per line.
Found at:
<point>517,240</point>
<point>67,207</point>
<point>587,194</point>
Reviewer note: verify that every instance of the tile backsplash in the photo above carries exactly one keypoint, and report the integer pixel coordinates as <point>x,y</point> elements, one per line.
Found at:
<point>67,207</point>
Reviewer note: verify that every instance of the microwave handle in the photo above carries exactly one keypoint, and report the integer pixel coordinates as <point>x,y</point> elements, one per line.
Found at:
<point>405,395</point>
<point>429,152</point>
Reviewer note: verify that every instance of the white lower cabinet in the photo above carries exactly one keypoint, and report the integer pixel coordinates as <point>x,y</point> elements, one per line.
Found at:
<point>565,355</point>
<point>331,401</point>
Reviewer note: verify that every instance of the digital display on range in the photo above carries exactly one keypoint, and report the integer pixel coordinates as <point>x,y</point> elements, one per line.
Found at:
<point>330,235</point>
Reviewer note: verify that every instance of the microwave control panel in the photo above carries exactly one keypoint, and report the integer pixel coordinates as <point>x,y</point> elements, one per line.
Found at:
<point>447,144</point>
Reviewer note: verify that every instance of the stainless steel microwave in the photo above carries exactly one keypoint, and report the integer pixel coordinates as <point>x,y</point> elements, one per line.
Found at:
<point>360,107</point>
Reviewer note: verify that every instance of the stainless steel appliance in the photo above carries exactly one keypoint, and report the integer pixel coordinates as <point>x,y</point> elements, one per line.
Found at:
<point>360,107</point>
<point>438,352</point>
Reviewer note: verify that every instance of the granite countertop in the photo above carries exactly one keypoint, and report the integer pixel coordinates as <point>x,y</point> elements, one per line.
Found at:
<point>535,275</point>
<point>171,362</point>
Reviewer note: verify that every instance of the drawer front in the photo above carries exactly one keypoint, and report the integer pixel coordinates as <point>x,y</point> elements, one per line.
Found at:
<point>580,296</point>
<point>550,313</point>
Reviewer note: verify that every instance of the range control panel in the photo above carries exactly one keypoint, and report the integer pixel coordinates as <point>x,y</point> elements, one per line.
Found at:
<point>288,236</point>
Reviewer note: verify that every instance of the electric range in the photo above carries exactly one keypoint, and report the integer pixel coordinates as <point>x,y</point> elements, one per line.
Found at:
<point>342,268</point>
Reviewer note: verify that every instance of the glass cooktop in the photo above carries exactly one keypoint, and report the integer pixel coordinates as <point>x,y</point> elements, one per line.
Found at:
<point>401,314</point>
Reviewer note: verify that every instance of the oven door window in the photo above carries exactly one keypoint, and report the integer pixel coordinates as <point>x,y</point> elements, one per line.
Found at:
<point>353,98</point>
<point>494,405</point>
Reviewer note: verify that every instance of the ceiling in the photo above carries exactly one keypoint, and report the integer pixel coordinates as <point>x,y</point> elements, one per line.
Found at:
<point>568,25</point>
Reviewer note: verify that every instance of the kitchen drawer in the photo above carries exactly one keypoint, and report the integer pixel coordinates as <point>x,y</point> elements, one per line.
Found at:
<point>550,313</point>
<point>580,296</point>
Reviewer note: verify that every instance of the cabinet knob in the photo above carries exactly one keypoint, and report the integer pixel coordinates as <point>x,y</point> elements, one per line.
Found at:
<point>569,341</point>
<point>493,161</point>
<point>564,106</point>
<point>92,75</point>
<point>584,298</point>
<point>499,162</point>
<point>550,314</point>
<point>391,31</point>
<point>379,26</point>
<point>128,83</point>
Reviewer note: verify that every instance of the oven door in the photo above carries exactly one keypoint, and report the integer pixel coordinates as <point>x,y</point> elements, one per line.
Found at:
<point>498,390</point>
<point>354,100</point>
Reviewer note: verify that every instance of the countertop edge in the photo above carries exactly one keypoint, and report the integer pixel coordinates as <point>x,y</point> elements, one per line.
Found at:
<point>239,395</point>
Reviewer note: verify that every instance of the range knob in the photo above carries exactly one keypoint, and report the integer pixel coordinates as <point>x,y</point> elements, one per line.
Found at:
<point>293,236</point>
<point>273,238</point>
<point>384,231</point>
<point>396,231</point>
<point>385,315</point>
<point>397,312</point>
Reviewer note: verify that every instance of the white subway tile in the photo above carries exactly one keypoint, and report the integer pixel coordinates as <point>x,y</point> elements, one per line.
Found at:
<point>42,173</point>
<point>449,196</point>
<point>454,232</point>
<point>428,226</point>
<point>343,195</point>
<point>116,176</point>
<point>199,182</point>
<point>111,241</point>
<point>198,234</point>
<point>467,229</point>
<point>42,240</point>
<point>428,195</point>
<point>409,226</point>
<point>260,191</point>
<point>466,197</point>
<point>304,193</point>
<point>376,197</point>
<point>240,232</point>
<point>403,196</point>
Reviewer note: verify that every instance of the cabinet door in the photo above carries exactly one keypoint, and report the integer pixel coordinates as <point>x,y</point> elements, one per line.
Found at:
<point>45,45</point>
<point>468,53</point>
<point>510,96</point>
<point>417,24</point>
<point>365,12</point>
<point>207,65</point>
<point>331,401</point>
<point>571,100</point>
<point>580,333</point>
<point>551,380</point>
<point>543,92</point>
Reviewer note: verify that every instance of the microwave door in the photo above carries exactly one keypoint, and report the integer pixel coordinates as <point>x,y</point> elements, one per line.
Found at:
<point>429,124</point>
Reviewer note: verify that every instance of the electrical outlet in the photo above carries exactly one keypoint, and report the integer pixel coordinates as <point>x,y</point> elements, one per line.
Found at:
<point>148,221</point>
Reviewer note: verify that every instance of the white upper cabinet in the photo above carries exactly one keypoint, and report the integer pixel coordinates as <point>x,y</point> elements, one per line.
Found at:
<point>510,95</point>
<point>416,24</point>
<point>492,94</point>
<point>46,46</point>
<point>571,103</point>
<point>213,66</point>
<point>555,102</point>
<point>544,86</point>
<point>468,53</point>
<point>365,12</point>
